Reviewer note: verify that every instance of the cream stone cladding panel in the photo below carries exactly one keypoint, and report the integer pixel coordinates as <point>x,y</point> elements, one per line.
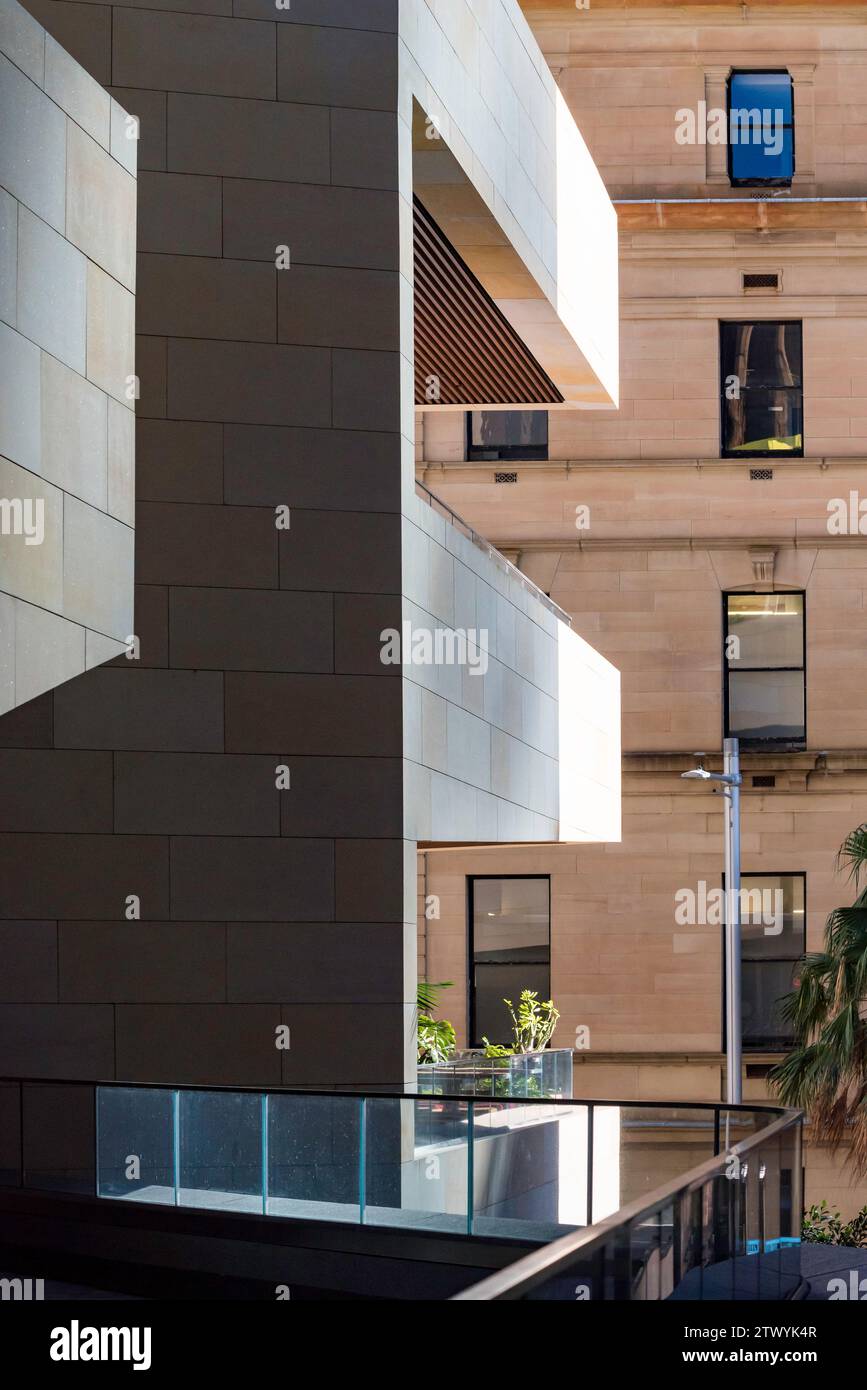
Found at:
<point>67,391</point>
<point>488,755</point>
<point>644,583</point>
<point>509,178</point>
<point>518,739</point>
<point>625,75</point>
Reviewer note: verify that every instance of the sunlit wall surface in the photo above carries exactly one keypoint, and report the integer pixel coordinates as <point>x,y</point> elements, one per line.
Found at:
<point>67,390</point>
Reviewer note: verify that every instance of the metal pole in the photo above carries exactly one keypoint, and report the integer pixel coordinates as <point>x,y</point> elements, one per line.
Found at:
<point>732,793</point>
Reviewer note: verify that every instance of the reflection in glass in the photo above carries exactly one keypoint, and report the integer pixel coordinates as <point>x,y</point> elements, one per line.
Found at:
<point>504,434</point>
<point>761,129</point>
<point>511,945</point>
<point>314,1157</point>
<point>769,629</point>
<point>416,1164</point>
<point>762,404</point>
<point>135,1144</point>
<point>767,705</point>
<point>220,1150</point>
<point>773,931</point>
<point>764,649</point>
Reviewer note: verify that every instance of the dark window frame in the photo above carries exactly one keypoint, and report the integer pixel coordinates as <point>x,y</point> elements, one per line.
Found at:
<point>471,954</point>
<point>758,744</point>
<point>754,182</point>
<point>749,455</point>
<point>775,1045</point>
<point>527,453</point>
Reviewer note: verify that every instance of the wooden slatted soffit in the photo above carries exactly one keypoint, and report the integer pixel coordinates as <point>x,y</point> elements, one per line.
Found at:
<point>466,351</point>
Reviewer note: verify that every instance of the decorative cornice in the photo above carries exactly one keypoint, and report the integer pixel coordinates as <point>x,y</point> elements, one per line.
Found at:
<point>473,472</point>
<point>823,761</point>
<point>657,542</point>
<point>760,307</point>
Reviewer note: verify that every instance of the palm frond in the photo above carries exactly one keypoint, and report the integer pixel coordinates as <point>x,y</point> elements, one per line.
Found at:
<point>428,995</point>
<point>852,854</point>
<point>825,1074</point>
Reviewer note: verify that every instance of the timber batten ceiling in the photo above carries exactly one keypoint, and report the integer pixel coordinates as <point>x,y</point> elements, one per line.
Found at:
<point>466,351</point>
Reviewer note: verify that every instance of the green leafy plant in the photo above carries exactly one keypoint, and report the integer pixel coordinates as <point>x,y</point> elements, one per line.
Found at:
<point>436,1039</point>
<point>826,1073</point>
<point>533,1022</point>
<point>436,1036</point>
<point>822,1226</point>
<point>495,1050</point>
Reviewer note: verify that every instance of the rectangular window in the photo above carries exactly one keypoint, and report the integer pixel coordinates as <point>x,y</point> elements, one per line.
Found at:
<point>510,950</point>
<point>761,389</point>
<point>773,941</point>
<point>765,695</point>
<point>507,434</point>
<point>761,129</point>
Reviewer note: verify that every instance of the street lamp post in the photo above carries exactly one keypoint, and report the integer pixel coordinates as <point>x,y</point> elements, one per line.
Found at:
<point>731,789</point>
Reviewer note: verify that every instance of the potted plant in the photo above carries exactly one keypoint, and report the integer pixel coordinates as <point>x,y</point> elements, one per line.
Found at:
<point>533,1025</point>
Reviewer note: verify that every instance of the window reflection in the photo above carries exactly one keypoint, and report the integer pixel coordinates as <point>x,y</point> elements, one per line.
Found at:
<point>773,935</point>
<point>761,128</point>
<point>510,950</point>
<point>508,434</point>
<point>764,656</point>
<point>761,388</point>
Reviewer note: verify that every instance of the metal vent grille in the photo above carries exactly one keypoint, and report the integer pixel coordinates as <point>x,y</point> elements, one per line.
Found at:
<point>505,477</point>
<point>761,475</point>
<point>764,781</point>
<point>761,280</point>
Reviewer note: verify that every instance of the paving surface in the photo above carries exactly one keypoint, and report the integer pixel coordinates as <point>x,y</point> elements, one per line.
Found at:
<point>825,1266</point>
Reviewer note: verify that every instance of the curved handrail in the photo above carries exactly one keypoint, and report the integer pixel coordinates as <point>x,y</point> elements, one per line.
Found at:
<point>549,1260</point>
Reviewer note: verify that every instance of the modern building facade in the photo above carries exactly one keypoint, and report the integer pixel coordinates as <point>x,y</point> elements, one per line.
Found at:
<point>707,538</point>
<point>67,384</point>
<point>208,843</point>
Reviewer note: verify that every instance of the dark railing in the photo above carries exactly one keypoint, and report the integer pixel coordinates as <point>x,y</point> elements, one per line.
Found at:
<point>684,1196</point>
<point>727,1230</point>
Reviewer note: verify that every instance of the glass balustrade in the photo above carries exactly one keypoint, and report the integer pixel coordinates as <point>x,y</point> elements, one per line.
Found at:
<point>622,1201</point>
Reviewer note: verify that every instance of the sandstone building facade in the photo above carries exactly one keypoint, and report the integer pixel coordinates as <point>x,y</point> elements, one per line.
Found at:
<point>682,520</point>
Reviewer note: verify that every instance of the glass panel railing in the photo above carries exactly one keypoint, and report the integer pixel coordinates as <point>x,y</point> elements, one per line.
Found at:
<point>724,1231</point>
<point>416,1163</point>
<point>529,1170</point>
<point>658,1145</point>
<point>534,1076</point>
<point>626,1201</point>
<point>135,1145</point>
<point>221,1155</point>
<point>313,1166</point>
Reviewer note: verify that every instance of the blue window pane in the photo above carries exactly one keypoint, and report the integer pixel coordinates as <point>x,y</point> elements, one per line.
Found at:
<point>761,135</point>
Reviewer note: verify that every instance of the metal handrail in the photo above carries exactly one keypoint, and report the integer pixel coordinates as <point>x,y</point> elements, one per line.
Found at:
<point>491,550</point>
<point>365,1092</point>
<point>708,1115</point>
<point>546,1262</point>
